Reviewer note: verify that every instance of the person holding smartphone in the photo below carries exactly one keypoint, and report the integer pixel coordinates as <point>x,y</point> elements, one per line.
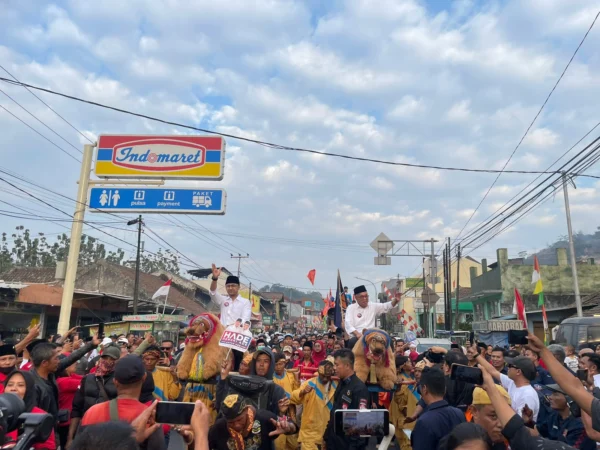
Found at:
<point>242,426</point>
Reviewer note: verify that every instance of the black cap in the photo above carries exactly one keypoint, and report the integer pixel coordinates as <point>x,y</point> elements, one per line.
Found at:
<point>524,364</point>
<point>234,405</point>
<point>129,369</point>
<point>555,388</point>
<point>7,349</point>
<point>232,279</point>
<point>359,289</point>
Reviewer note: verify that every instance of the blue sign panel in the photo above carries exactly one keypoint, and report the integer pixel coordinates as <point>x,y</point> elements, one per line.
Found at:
<point>157,200</point>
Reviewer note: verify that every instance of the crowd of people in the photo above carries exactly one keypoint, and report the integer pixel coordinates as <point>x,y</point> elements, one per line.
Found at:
<point>283,392</point>
<point>103,394</point>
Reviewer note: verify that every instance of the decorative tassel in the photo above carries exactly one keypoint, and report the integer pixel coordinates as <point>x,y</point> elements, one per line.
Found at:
<point>372,374</point>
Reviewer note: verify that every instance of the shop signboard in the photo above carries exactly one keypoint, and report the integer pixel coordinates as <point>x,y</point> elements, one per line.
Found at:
<point>166,157</point>
<point>155,318</point>
<point>140,326</point>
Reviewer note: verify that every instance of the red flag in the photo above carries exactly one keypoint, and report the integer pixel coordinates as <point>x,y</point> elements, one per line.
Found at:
<point>163,290</point>
<point>325,308</point>
<point>311,276</point>
<point>519,308</point>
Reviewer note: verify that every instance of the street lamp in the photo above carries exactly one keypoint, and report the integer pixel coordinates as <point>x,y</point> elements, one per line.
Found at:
<point>136,286</point>
<point>374,287</point>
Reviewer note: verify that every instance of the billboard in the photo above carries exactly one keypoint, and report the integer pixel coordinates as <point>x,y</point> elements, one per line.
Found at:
<point>172,157</point>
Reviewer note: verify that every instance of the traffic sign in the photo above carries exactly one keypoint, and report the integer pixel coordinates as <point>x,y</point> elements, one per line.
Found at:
<point>170,157</point>
<point>157,200</point>
<point>382,244</point>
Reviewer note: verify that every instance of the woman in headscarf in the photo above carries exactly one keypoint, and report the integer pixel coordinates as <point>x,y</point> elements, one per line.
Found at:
<point>319,352</point>
<point>22,385</point>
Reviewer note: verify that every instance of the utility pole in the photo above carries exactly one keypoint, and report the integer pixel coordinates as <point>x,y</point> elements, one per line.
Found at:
<point>456,313</point>
<point>433,275</point>
<point>424,319</point>
<point>136,286</point>
<point>449,287</point>
<point>572,248</point>
<point>75,242</point>
<point>445,264</point>
<point>239,257</point>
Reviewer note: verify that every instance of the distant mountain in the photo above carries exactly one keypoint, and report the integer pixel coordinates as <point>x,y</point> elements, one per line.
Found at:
<point>586,246</point>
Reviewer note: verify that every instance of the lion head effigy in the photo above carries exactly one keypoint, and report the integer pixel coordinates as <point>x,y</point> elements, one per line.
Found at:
<point>374,358</point>
<point>202,356</point>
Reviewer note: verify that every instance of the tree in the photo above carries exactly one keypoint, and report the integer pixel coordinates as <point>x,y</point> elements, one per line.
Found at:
<point>37,251</point>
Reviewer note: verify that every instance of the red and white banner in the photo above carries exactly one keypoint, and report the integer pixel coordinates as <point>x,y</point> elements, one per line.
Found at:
<point>403,317</point>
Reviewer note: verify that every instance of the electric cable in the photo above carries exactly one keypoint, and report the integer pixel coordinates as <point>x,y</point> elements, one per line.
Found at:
<point>532,122</point>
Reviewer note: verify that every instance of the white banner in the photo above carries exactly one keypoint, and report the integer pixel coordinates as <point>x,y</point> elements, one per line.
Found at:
<point>236,338</point>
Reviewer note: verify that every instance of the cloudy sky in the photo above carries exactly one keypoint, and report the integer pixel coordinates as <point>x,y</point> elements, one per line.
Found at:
<point>397,80</point>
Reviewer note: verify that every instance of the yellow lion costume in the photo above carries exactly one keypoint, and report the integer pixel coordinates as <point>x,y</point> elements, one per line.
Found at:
<point>201,360</point>
<point>374,359</point>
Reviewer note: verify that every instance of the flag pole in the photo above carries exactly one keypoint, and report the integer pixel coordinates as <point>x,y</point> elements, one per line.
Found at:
<point>165,305</point>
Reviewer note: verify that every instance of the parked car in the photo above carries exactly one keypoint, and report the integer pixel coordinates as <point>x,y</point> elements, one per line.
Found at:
<point>425,344</point>
<point>579,332</point>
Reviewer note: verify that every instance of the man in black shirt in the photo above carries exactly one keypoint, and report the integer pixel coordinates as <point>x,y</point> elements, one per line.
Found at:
<point>242,426</point>
<point>351,393</point>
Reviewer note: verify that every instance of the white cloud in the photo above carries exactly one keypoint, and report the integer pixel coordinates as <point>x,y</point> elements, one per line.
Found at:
<point>306,203</point>
<point>408,107</point>
<point>381,183</point>
<point>466,213</point>
<point>450,86</point>
<point>285,171</point>
<point>542,138</point>
<point>460,111</point>
<point>436,223</point>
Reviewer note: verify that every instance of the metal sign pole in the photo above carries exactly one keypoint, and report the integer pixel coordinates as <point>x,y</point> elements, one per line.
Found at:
<point>75,242</point>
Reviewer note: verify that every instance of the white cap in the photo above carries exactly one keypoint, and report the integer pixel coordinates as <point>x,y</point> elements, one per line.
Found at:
<point>106,341</point>
<point>182,346</point>
<point>412,346</point>
<point>123,341</point>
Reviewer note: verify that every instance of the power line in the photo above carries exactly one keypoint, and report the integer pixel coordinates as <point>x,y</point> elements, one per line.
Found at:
<point>536,178</point>
<point>37,132</point>
<point>49,107</point>
<point>532,122</point>
<point>40,121</point>
<point>264,143</point>
<point>534,201</point>
<point>589,150</point>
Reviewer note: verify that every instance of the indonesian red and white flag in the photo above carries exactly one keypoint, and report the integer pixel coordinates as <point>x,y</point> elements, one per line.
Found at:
<point>163,290</point>
<point>519,308</point>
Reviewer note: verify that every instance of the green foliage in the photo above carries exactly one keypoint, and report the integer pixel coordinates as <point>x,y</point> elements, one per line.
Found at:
<point>292,293</point>
<point>28,250</point>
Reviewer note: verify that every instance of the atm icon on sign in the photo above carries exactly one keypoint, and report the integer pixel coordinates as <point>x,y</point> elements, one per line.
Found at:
<point>169,195</point>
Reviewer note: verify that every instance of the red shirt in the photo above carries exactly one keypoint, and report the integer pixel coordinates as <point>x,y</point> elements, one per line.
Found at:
<point>307,370</point>
<point>67,386</point>
<point>50,444</point>
<point>27,366</point>
<point>128,409</point>
<point>2,380</point>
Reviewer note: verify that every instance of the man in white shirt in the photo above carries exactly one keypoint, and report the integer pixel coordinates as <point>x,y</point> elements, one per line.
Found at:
<point>521,371</point>
<point>233,306</point>
<point>362,315</point>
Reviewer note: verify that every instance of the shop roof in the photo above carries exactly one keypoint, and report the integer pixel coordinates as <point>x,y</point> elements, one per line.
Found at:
<point>99,279</point>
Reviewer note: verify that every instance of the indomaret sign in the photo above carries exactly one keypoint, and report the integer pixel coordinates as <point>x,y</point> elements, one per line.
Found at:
<point>186,157</point>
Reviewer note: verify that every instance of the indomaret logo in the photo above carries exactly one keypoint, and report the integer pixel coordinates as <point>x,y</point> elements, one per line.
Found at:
<point>159,155</point>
